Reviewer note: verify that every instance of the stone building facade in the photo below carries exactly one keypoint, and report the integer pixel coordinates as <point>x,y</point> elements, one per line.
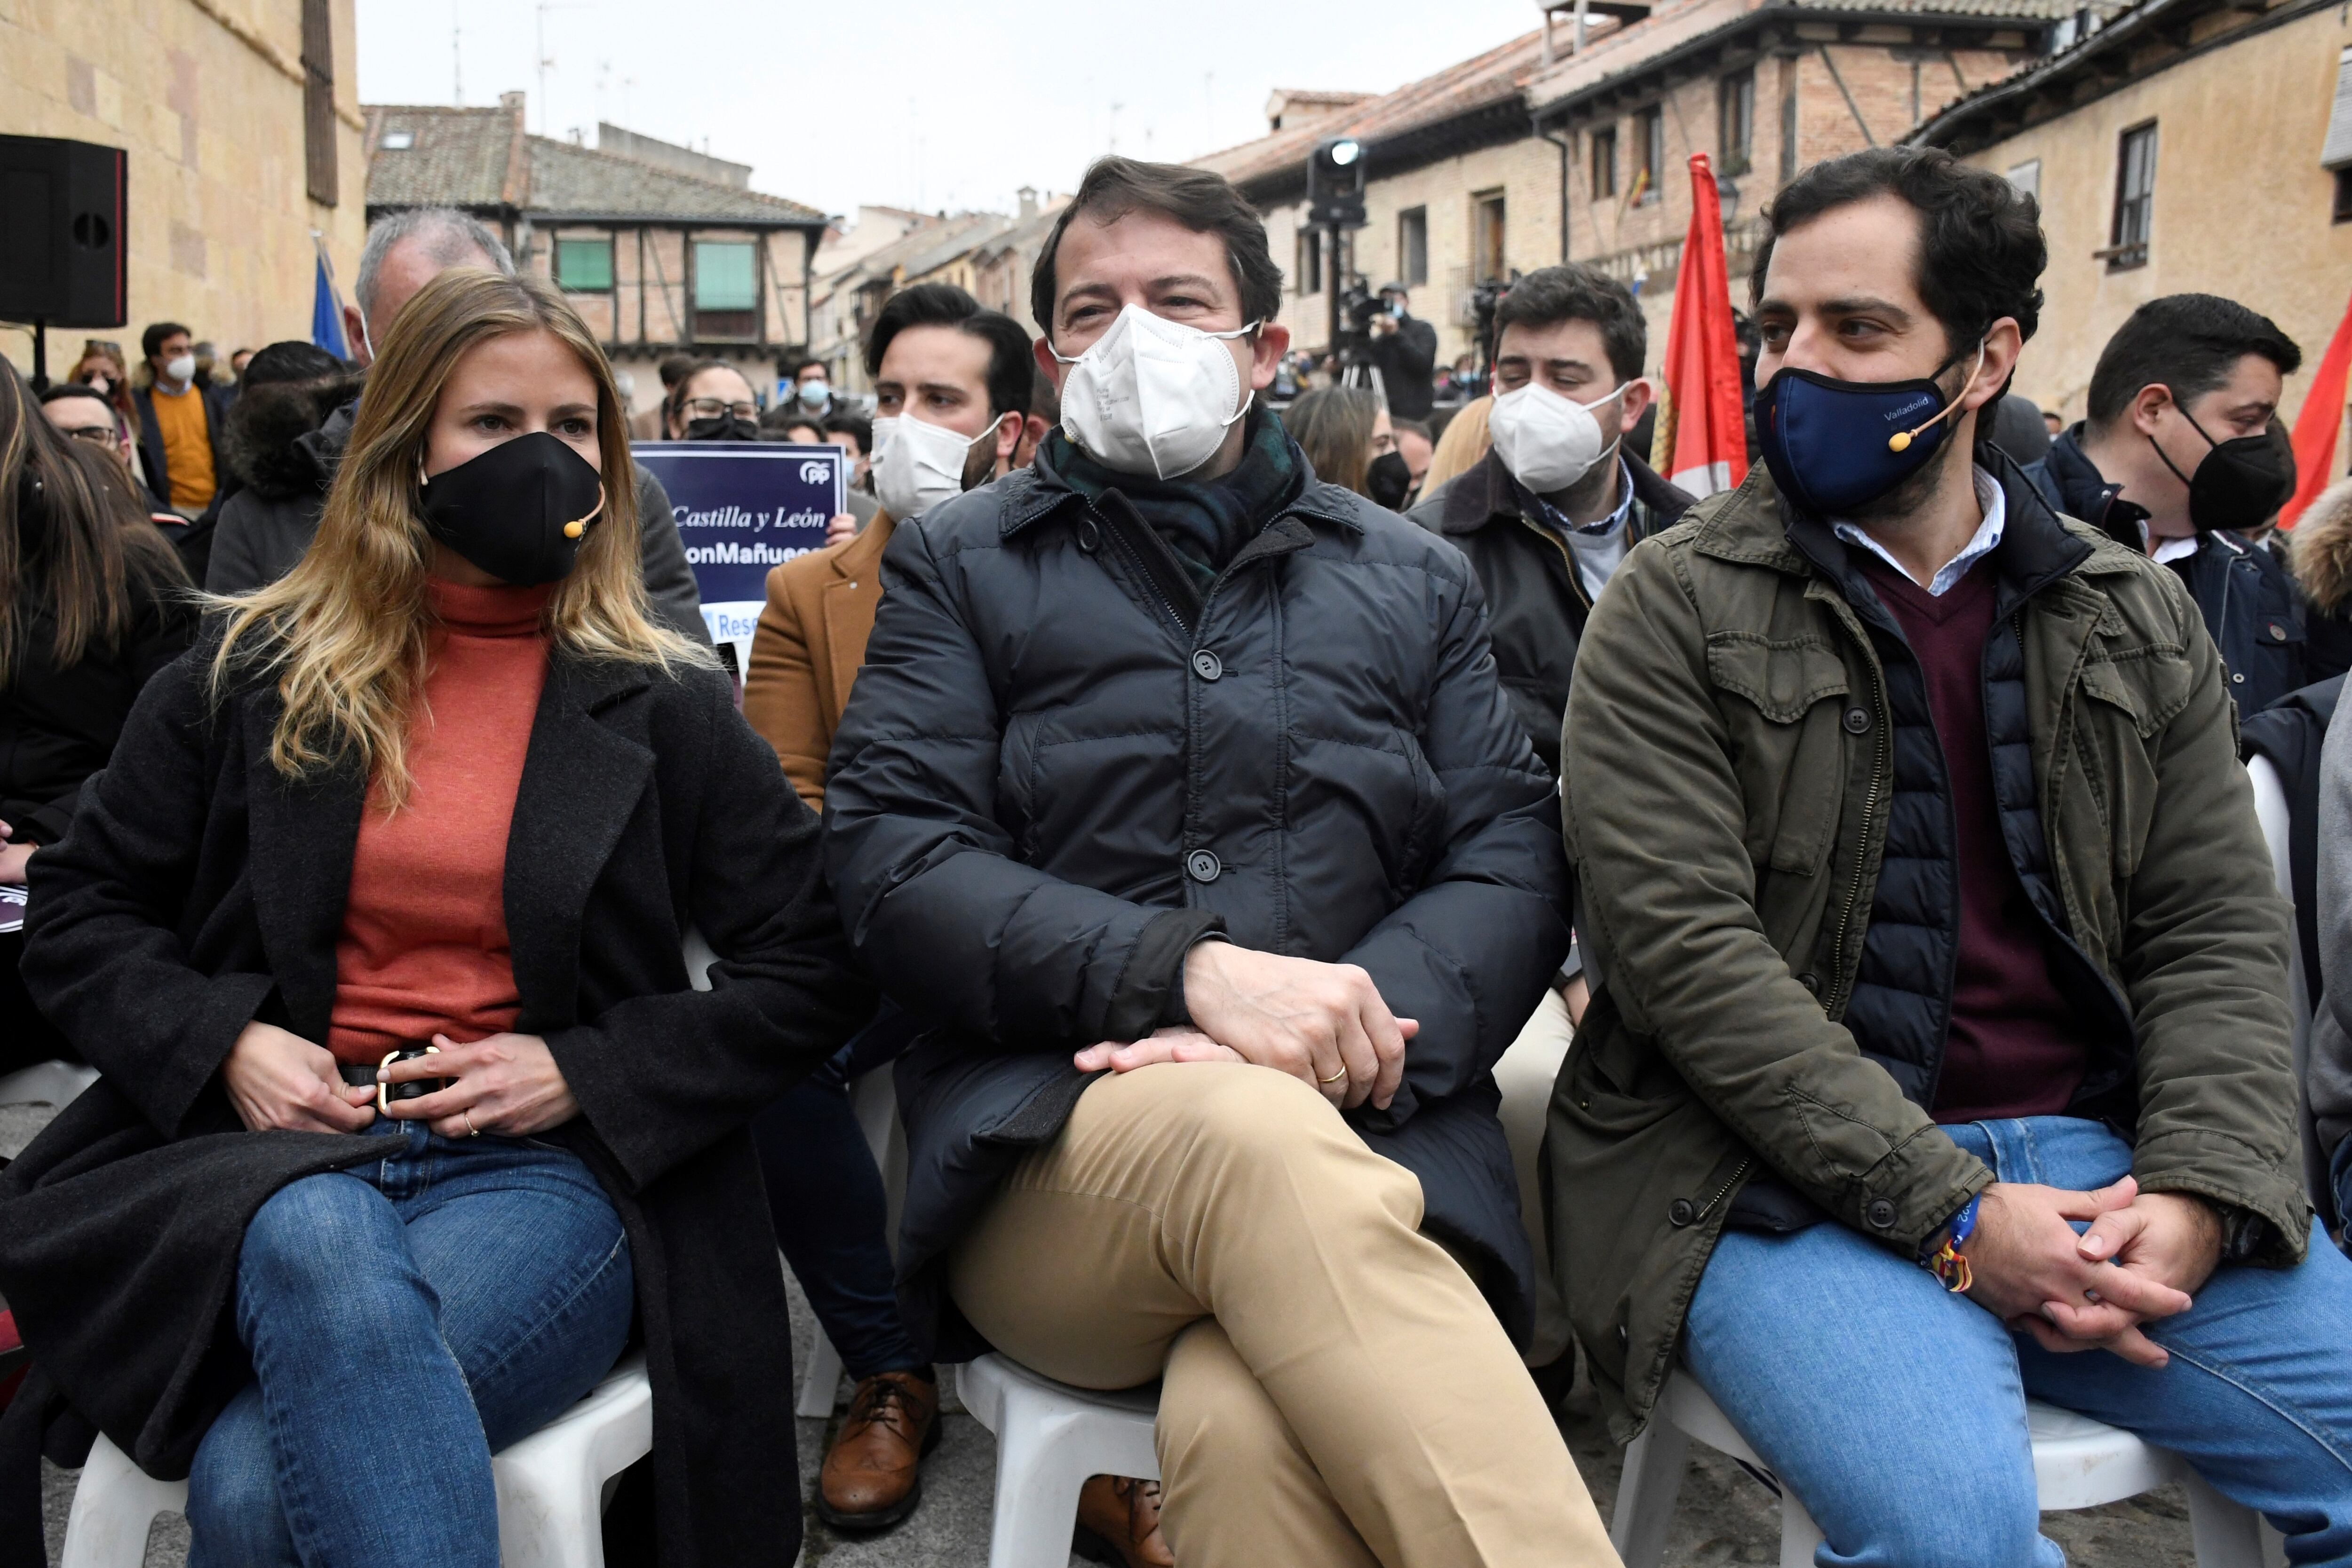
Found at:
<point>242,123</point>
<point>2190,146</point>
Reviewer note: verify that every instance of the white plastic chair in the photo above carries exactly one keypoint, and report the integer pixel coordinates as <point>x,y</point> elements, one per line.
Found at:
<point>48,1082</point>
<point>2272,810</point>
<point>2077,1463</point>
<point>551,1484</point>
<point>1049,1438</point>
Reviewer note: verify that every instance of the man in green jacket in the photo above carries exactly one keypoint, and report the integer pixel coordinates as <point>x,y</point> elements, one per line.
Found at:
<point>1934,946</point>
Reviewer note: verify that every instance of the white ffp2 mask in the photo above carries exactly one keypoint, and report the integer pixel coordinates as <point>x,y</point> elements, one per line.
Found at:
<point>1152,396</point>
<point>1546,441</point>
<point>918,465</point>
<point>181,368</point>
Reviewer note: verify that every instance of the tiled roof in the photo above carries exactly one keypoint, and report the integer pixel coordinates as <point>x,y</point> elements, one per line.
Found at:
<point>1967,120</point>
<point>1480,82</point>
<point>921,250</point>
<point>458,157</point>
<point>475,157</point>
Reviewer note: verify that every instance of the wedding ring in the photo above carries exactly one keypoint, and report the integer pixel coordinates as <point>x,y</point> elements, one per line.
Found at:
<point>471,1130</point>
<point>1337,1076</point>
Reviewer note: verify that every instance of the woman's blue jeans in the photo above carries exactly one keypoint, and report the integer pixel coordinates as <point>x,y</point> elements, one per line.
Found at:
<point>1896,1412</point>
<point>406,1319</point>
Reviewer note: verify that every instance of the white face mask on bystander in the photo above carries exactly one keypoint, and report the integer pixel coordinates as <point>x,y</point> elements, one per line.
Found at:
<point>1546,441</point>
<point>1153,396</point>
<point>918,465</point>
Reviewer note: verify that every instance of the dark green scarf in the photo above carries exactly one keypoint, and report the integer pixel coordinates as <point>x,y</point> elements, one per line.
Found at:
<point>1206,524</point>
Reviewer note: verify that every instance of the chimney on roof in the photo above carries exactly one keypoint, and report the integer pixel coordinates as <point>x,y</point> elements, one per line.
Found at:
<point>512,103</point>
<point>1028,194</point>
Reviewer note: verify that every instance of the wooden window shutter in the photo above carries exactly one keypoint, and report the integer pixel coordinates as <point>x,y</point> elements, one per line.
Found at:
<point>319,99</point>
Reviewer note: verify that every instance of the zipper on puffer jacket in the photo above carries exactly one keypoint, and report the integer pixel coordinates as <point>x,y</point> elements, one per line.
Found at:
<point>1118,523</point>
<point>1739,1173</point>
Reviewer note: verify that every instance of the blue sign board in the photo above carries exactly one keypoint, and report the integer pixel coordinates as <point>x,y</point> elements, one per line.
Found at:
<point>742,509</point>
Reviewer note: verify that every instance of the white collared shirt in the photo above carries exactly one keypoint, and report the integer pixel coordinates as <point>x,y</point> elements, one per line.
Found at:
<point>2170,551</point>
<point>1980,544</point>
<point>1598,549</point>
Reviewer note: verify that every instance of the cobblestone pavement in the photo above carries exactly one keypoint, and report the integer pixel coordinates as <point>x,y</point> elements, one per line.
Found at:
<point>1725,1516</point>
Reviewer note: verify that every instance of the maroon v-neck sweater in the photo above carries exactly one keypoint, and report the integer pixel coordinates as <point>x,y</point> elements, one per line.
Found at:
<point>2013,1049</point>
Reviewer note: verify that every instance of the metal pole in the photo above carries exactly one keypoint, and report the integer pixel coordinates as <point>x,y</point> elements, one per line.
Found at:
<point>40,355</point>
<point>1332,290</point>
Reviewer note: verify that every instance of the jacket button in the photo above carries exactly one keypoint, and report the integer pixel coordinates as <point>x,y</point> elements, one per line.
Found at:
<point>1207,665</point>
<point>1812,983</point>
<point>1881,1213</point>
<point>1681,1211</point>
<point>2278,632</point>
<point>1857,721</point>
<point>1089,536</point>
<point>1202,865</point>
<point>2237,677</point>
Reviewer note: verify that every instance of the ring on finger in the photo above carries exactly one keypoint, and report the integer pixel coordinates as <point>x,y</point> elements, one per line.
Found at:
<point>1337,1076</point>
<point>471,1130</point>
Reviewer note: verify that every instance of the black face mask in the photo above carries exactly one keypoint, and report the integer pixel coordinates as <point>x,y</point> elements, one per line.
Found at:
<point>2242,481</point>
<point>1388,479</point>
<point>518,511</point>
<point>722,427</point>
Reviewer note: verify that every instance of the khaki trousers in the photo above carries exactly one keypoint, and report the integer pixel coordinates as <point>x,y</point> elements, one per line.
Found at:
<point>1336,1391</point>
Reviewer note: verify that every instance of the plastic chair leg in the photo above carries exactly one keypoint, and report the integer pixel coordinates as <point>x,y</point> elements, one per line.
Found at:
<point>1647,1489</point>
<point>1799,1536</point>
<point>115,1507</point>
<point>2227,1534</point>
<point>821,1382</point>
<point>1040,1470</point>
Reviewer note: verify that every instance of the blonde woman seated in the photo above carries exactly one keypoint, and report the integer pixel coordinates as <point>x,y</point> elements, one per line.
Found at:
<point>374,928</point>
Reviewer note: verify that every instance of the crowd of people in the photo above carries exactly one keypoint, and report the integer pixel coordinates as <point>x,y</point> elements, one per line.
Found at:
<point>1375,911</point>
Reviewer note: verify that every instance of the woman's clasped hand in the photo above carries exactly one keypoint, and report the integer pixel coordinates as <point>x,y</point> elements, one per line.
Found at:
<point>505,1083</point>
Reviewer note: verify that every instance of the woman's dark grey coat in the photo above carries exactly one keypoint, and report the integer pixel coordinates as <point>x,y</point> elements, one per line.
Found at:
<point>198,891</point>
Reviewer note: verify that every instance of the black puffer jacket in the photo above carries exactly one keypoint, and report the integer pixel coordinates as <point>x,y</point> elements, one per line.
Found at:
<point>1060,767</point>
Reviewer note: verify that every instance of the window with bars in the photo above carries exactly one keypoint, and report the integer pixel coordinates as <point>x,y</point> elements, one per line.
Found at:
<point>2135,198</point>
<point>1413,246</point>
<point>1736,122</point>
<point>318,101</point>
<point>1649,153</point>
<point>1486,232</point>
<point>1308,274</point>
<point>1604,163</point>
<point>583,265</point>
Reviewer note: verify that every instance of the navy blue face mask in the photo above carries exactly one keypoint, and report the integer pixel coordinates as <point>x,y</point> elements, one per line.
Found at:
<point>1835,446</point>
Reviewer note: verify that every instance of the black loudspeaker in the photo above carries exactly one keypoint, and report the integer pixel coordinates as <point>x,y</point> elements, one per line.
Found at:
<point>62,206</point>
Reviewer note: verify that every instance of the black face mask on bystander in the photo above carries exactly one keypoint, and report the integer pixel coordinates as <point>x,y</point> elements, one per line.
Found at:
<point>518,511</point>
<point>2242,481</point>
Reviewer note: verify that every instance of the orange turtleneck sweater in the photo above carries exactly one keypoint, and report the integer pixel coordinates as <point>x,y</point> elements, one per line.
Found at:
<point>423,944</point>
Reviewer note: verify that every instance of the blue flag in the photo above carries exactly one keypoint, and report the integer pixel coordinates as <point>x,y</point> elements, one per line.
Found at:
<point>327,313</point>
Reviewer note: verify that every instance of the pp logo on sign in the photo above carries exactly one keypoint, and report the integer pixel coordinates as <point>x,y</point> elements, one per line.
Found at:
<point>816,473</point>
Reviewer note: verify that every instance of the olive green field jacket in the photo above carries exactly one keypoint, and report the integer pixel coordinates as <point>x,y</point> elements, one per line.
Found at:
<point>1726,807</point>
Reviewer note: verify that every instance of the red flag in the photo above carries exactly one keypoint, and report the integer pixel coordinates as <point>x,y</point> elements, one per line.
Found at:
<point>1702,438</point>
<point>2315,426</point>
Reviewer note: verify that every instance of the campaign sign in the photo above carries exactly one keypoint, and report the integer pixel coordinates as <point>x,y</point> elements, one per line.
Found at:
<point>744,508</point>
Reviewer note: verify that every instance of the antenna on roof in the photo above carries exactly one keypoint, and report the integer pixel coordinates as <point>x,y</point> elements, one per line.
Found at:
<point>457,61</point>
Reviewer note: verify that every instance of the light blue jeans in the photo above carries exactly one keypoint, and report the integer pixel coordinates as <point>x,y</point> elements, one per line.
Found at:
<point>406,1319</point>
<point>1896,1412</point>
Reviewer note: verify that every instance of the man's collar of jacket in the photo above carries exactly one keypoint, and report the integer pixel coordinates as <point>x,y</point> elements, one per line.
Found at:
<point>1752,525</point>
<point>2085,492</point>
<point>1485,494</point>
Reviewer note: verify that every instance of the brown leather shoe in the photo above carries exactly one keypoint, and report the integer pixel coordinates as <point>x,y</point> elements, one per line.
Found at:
<point>1119,1524</point>
<point>873,1473</point>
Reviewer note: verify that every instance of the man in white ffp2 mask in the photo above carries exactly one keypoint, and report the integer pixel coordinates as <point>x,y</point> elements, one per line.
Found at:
<point>1180,786</point>
<point>1546,518</point>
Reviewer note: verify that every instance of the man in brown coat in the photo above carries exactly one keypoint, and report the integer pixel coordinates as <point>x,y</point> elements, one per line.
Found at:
<point>961,374</point>
<point>941,363</point>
